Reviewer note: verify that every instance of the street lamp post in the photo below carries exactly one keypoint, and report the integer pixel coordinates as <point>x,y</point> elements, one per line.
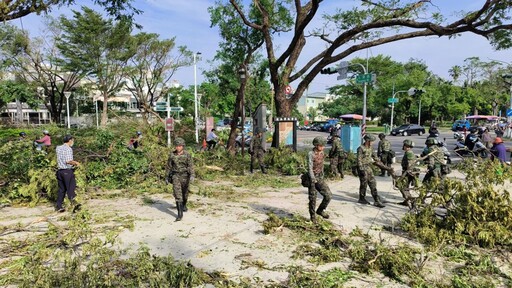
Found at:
<point>195,95</point>
<point>363,127</point>
<point>243,77</point>
<point>67,94</point>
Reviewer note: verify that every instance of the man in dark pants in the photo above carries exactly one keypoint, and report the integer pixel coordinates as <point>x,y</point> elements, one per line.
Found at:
<point>66,175</point>
<point>317,182</point>
<point>180,173</point>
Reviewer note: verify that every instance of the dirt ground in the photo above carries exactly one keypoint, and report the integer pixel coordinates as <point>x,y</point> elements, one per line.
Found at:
<point>226,234</point>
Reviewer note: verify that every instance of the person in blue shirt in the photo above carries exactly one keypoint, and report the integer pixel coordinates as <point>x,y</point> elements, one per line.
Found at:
<point>498,150</point>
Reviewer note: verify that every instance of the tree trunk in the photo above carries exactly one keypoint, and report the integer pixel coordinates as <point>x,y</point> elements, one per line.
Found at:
<point>237,113</point>
<point>104,116</point>
<point>283,105</point>
<point>19,111</point>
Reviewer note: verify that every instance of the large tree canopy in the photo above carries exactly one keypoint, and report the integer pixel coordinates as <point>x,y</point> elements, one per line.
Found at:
<point>344,32</point>
<point>10,10</point>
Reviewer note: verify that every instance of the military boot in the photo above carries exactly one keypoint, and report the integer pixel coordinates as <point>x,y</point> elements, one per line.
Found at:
<point>185,209</point>
<point>362,196</point>
<point>363,200</point>
<point>378,202</point>
<point>251,168</point>
<point>323,214</point>
<point>179,205</point>
<point>263,169</point>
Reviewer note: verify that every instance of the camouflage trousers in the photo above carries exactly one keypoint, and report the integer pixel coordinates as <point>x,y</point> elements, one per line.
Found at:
<point>366,178</point>
<point>337,164</point>
<point>321,187</point>
<point>404,183</point>
<point>432,173</point>
<point>258,155</point>
<point>386,159</point>
<point>180,185</point>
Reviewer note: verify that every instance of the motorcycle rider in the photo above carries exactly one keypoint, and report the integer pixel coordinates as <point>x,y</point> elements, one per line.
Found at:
<point>472,138</point>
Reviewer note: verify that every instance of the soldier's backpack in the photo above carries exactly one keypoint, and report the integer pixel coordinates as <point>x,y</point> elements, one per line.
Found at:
<point>305,181</point>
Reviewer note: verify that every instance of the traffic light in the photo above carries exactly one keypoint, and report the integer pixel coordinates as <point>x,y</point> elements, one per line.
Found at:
<point>413,91</point>
<point>330,70</point>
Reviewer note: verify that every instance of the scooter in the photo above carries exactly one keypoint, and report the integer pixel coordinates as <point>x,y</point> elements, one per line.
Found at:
<point>479,149</point>
<point>457,135</point>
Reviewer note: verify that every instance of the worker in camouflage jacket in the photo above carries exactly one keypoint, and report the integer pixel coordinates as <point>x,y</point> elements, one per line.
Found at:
<point>180,171</point>
<point>257,150</point>
<point>434,160</point>
<point>385,153</point>
<point>337,155</point>
<point>317,181</point>
<point>409,173</point>
<point>366,157</point>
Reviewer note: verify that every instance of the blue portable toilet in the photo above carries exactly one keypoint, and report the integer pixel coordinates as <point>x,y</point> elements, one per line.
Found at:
<point>350,136</point>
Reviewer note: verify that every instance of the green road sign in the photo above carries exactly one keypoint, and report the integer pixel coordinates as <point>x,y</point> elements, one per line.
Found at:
<point>364,78</point>
<point>392,100</point>
<point>176,109</point>
<point>160,106</point>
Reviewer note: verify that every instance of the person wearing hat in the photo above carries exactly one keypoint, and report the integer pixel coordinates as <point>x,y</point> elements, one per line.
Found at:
<point>180,173</point>
<point>365,158</point>
<point>384,153</point>
<point>317,182</point>
<point>23,136</point>
<point>45,141</point>
<point>337,155</point>
<point>434,158</point>
<point>498,150</point>
<point>409,175</point>
<point>65,174</point>
<point>257,150</point>
<point>135,141</point>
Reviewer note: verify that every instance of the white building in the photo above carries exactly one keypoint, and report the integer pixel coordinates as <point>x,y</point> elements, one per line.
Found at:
<point>312,101</point>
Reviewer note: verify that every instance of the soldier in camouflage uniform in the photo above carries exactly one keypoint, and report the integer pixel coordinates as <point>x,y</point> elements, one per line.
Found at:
<point>409,175</point>
<point>435,160</point>
<point>257,150</point>
<point>317,183</point>
<point>180,173</point>
<point>365,158</point>
<point>385,153</point>
<point>337,155</point>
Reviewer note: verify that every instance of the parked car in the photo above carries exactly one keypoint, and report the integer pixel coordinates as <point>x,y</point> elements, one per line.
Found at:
<point>408,129</point>
<point>459,125</point>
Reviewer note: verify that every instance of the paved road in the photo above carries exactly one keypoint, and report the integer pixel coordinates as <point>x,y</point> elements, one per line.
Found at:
<point>305,138</point>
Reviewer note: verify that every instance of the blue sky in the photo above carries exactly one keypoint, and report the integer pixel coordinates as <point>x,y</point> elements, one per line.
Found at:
<point>188,21</point>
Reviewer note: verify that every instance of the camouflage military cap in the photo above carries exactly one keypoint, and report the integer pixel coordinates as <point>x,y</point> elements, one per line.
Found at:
<point>408,143</point>
<point>179,142</point>
<point>431,141</point>
<point>319,141</point>
<point>369,137</point>
<point>382,136</point>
